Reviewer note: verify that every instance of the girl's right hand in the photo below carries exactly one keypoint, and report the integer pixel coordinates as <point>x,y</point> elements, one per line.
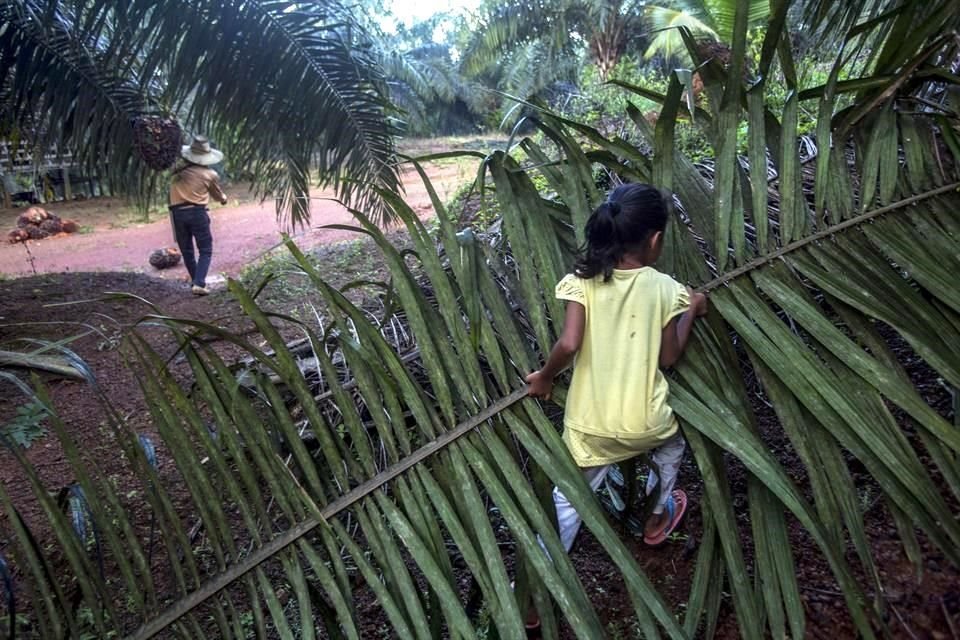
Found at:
<point>540,386</point>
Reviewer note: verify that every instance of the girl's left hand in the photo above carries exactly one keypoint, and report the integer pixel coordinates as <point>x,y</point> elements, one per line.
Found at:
<point>540,385</point>
<point>698,303</point>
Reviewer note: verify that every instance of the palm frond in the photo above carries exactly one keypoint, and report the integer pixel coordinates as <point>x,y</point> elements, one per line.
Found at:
<point>886,31</point>
<point>531,69</point>
<point>64,90</point>
<point>319,83</point>
<point>427,75</point>
<point>666,24</point>
<point>503,26</point>
<point>722,15</point>
<point>712,19</point>
<point>418,486</point>
<point>420,78</point>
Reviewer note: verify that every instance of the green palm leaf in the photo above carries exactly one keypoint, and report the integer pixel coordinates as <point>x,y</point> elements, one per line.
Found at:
<point>666,23</point>
<point>64,90</point>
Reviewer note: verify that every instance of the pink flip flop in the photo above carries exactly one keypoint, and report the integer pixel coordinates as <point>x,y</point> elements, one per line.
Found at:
<point>676,506</point>
<point>532,628</point>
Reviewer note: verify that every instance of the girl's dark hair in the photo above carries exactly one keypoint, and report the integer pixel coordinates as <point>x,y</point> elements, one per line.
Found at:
<point>632,213</point>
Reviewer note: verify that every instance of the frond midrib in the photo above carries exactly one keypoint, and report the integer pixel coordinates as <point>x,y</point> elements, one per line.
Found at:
<point>766,259</point>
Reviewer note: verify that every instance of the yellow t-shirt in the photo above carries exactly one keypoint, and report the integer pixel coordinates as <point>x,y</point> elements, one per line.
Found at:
<point>617,403</point>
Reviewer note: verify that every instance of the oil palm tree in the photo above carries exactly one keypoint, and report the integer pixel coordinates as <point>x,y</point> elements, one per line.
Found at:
<point>601,28</point>
<point>710,20</point>
<point>286,88</point>
<point>826,272</point>
<point>606,29</point>
<point>426,83</point>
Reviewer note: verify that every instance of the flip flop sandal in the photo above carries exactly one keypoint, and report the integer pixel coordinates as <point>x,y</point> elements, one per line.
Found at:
<point>676,506</point>
<point>532,628</point>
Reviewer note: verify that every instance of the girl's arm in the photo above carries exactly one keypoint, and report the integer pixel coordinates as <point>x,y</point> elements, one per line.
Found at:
<point>541,382</point>
<point>677,332</point>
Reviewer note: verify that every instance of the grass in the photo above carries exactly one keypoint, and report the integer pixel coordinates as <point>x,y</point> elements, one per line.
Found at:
<point>341,264</point>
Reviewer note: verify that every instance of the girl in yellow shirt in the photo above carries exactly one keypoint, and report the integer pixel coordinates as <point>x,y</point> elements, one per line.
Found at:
<point>624,321</point>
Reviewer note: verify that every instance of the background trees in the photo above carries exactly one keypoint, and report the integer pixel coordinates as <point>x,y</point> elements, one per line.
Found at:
<point>426,81</point>
<point>708,20</point>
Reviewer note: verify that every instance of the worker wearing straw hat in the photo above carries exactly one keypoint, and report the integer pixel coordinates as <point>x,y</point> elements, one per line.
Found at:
<point>193,184</point>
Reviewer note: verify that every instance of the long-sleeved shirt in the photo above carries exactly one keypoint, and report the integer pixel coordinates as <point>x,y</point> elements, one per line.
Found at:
<point>194,184</point>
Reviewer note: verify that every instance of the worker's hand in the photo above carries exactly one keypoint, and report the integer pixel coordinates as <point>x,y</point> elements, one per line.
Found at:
<point>540,386</point>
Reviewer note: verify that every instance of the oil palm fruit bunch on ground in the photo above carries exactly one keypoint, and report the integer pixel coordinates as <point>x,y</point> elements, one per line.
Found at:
<point>32,216</point>
<point>37,223</point>
<point>165,258</point>
<point>52,225</point>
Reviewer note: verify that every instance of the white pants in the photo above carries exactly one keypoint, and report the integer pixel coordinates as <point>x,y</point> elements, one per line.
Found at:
<point>666,458</point>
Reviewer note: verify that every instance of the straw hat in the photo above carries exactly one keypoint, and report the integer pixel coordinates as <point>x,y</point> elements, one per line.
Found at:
<point>200,152</point>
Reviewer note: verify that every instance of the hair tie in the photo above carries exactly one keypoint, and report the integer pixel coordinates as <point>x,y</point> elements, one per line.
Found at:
<point>614,208</point>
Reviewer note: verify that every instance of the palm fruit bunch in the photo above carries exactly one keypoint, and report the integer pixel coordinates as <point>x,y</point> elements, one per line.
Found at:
<point>37,223</point>
<point>32,216</point>
<point>157,140</point>
<point>165,258</point>
<point>34,232</point>
<point>713,49</point>
<point>722,53</point>
<point>52,225</point>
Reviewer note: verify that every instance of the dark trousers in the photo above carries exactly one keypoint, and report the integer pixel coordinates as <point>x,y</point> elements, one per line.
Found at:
<point>192,224</point>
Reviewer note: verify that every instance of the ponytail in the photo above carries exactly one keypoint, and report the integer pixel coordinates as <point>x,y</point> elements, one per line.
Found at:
<point>603,249</point>
<point>631,214</point>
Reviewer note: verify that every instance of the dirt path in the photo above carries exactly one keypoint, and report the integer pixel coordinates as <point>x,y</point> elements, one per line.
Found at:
<point>241,233</point>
